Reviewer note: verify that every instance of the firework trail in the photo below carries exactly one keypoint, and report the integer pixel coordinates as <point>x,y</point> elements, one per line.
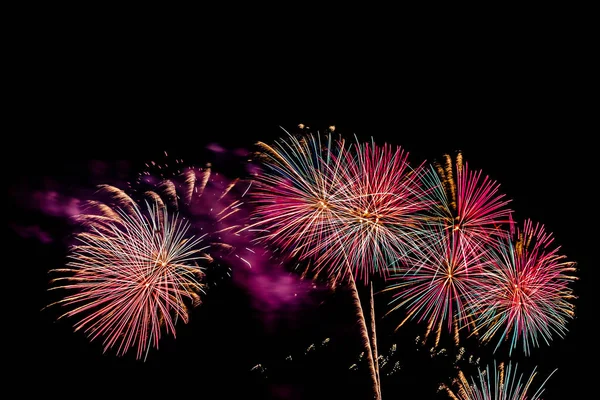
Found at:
<point>525,295</point>
<point>296,205</point>
<point>465,202</point>
<point>371,358</point>
<point>131,273</point>
<point>437,283</point>
<point>373,337</point>
<point>351,210</point>
<point>505,385</point>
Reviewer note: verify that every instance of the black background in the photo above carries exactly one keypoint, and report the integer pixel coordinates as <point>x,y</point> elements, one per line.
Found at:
<point>520,120</point>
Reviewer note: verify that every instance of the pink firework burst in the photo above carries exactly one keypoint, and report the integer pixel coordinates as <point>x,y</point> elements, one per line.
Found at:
<point>346,208</point>
<point>467,202</point>
<point>436,285</point>
<point>131,274</point>
<point>378,211</point>
<point>525,295</point>
<point>295,197</point>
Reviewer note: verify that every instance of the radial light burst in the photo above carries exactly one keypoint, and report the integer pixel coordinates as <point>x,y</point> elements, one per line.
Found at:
<point>436,284</point>
<point>506,384</point>
<point>379,208</point>
<point>525,296</point>
<point>347,208</point>
<point>467,202</point>
<point>295,198</point>
<point>133,272</point>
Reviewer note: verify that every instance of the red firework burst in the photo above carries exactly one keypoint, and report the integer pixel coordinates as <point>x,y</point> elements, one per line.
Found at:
<point>525,295</point>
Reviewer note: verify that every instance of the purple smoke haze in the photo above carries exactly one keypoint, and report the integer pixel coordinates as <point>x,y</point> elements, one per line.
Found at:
<point>57,199</point>
<point>33,232</point>
<point>216,148</point>
<point>273,289</point>
<point>46,203</point>
<point>55,204</point>
<point>220,209</point>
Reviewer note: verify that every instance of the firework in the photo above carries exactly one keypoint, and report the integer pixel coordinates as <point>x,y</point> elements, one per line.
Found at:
<point>353,211</point>
<point>525,296</point>
<point>378,212</point>
<point>346,208</point>
<point>295,199</point>
<point>466,202</point>
<point>437,283</point>
<point>505,385</point>
<point>131,274</point>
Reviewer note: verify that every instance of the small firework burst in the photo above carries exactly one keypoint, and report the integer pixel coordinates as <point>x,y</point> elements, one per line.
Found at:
<point>505,384</point>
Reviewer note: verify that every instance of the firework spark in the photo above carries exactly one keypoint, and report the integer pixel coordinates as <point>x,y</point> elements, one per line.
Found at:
<point>295,198</point>
<point>131,274</point>
<point>200,193</point>
<point>525,295</point>
<point>437,284</point>
<point>347,208</point>
<point>466,202</point>
<point>505,385</point>
<point>378,212</point>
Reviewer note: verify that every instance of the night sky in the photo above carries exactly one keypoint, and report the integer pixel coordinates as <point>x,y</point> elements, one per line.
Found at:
<point>101,130</point>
